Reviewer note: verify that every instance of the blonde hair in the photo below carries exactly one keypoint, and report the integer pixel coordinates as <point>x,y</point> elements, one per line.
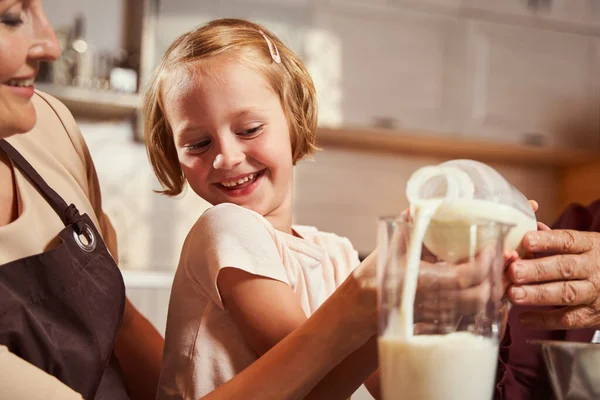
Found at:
<point>247,42</point>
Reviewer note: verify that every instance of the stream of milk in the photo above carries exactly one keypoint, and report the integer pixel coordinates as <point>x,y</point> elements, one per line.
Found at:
<point>458,365</point>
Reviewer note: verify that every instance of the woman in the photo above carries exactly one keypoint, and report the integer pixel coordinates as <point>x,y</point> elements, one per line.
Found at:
<point>66,329</point>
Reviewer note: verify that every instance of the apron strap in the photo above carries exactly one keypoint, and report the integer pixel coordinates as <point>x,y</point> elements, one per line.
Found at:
<point>68,214</point>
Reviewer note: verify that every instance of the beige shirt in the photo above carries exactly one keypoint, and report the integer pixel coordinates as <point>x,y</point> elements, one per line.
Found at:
<point>203,347</point>
<point>57,151</point>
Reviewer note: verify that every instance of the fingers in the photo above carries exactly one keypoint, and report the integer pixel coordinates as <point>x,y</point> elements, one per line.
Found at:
<point>579,317</point>
<point>534,205</point>
<point>542,226</point>
<point>547,269</point>
<point>425,328</point>
<point>559,241</point>
<point>448,306</point>
<point>466,300</point>
<point>462,276</point>
<point>510,256</point>
<point>567,293</point>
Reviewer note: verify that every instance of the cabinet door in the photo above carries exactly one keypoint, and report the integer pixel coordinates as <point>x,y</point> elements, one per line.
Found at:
<point>395,68</point>
<point>532,82</point>
<point>362,3</point>
<point>511,7</point>
<point>575,11</point>
<point>426,5</point>
<point>288,19</point>
<point>578,12</point>
<point>448,4</point>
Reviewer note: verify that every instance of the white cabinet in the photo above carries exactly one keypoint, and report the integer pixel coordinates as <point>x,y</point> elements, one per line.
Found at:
<point>277,3</point>
<point>532,81</point>
<point>427,4</point>
<point>289,19</point>
<point>523,8</point>
<point>577,12</point>
<point>402,67</point>
<point>500,70</point>
<point>413,4</point>
<point>352,3</point>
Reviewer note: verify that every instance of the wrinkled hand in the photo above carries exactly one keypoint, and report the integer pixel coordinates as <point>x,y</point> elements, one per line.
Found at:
<point>569,278</point>
<point>447,293</point>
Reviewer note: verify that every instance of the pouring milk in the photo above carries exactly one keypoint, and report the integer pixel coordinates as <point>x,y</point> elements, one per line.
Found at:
<point>458,365</point>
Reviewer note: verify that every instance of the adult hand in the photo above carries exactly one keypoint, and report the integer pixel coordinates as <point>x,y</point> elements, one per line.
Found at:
<point>570,278</point>
<point>447,293</point>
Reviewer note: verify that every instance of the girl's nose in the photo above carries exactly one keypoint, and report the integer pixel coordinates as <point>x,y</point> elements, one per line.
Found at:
<point>230,155</point>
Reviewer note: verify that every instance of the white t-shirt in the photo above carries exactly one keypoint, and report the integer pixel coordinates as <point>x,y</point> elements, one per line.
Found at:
<point>203,346</point>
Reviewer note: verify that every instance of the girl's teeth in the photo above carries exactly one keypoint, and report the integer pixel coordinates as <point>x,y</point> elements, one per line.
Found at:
<point>20,82</point>
<point>238,182</point>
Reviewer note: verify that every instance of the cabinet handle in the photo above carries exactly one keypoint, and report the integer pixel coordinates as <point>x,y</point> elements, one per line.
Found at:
<point>537,139</point>
<point>539,5</point>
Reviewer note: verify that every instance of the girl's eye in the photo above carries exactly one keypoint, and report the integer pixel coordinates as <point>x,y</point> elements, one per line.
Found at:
<point>197,147</point>
<point>252,131</point>
<point>11,20</point>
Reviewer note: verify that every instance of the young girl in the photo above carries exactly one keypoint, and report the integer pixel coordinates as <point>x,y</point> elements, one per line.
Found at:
<point>230,110</point>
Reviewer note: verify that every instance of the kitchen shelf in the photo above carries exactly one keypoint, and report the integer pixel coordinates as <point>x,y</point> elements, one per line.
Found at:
<point>415,143</point>
<point>94,104</point>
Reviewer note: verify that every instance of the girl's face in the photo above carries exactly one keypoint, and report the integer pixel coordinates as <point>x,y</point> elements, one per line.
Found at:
<point>232,138</point>
<point>26,38</point>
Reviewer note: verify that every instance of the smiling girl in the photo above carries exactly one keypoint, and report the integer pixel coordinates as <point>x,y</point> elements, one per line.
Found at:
<point>66,328</point>
<point>230,111</point>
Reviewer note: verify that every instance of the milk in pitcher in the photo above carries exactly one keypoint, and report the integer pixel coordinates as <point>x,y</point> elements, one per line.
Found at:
<point>458,365</point>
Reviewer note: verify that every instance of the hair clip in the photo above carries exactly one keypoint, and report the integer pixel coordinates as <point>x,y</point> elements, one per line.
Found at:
<point>272,48</point>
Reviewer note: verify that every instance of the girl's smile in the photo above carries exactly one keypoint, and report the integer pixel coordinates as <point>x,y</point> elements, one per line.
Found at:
<point>241,185</point>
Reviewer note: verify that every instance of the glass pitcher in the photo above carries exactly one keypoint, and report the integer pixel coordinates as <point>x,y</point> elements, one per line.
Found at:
<point>452,350</point>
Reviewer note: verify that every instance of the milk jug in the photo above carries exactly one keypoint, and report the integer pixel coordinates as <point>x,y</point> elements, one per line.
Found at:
<point>461,192</point>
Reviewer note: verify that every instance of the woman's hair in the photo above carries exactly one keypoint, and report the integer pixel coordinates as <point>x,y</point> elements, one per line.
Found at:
<point>248,43</point>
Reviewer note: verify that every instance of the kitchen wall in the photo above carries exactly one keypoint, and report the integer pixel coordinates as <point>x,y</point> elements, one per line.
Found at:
<point>446,67</point>
<point>104,20</point>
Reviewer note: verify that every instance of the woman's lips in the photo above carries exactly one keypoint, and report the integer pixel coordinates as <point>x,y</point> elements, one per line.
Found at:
<point>26,92</point>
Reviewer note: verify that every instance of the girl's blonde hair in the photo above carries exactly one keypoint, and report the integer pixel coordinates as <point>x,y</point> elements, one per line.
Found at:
<point>245,41</point>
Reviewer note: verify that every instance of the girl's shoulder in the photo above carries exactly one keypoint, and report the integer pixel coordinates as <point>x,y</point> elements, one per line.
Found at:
<point>232,215</point>
<point>314,235</point>
<point>328,241</point>
<point>229,220</point>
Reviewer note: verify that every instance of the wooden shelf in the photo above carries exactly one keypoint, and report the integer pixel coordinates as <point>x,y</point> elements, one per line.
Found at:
<point>417,143</point>
<point>94,104</point>
<point>104,105</point>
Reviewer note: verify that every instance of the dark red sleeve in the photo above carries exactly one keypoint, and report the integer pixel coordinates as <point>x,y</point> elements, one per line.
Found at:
<point>521,370</point>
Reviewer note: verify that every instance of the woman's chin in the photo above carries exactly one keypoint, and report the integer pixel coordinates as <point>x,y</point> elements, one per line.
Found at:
<point>17,123</point>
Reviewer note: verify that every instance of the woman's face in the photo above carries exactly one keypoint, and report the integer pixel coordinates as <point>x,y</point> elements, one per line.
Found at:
<point>26,38</point>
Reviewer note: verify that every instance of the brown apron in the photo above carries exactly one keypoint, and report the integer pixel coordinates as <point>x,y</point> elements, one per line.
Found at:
<point>60,310</point>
